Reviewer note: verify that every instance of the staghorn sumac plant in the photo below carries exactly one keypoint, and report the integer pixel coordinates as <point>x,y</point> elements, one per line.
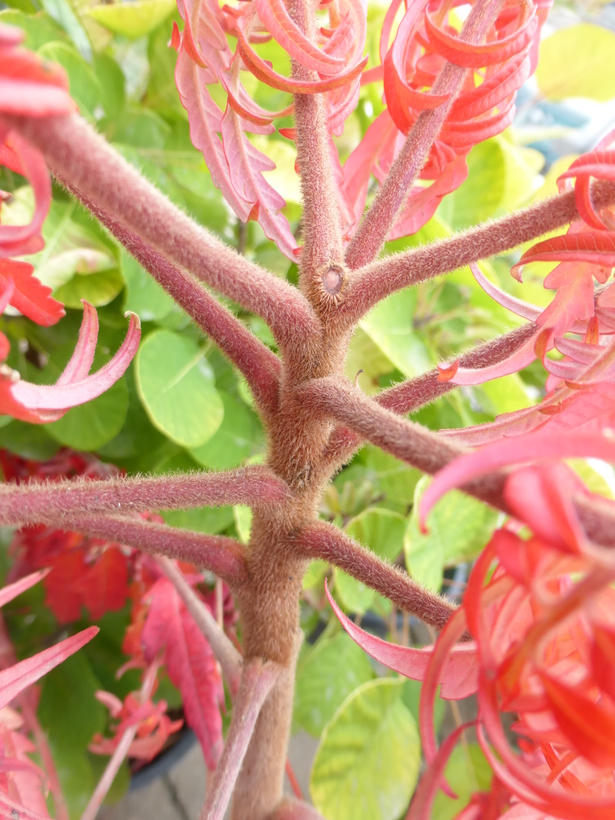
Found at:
<point>444,80</point>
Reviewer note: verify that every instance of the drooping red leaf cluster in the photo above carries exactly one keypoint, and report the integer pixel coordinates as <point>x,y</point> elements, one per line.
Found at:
<point>580,394</point>
<point>330,61</point>
<point>426,39</point>
<point>540,611</point>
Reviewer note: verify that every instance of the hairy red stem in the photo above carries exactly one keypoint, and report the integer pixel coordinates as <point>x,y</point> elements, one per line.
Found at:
<point>375,282</point>
<point>410,395</point>
<point>85,162</point>
<point>221,555</point>
<point>59,501</point>
<point>255,361</point>
<point>322,540</point>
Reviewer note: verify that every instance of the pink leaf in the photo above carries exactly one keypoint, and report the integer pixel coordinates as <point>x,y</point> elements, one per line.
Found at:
<point>246,164</point>
<point>15,679</point>
<point>24,239</point>
<point>459,678</point>
<point>514,451</point>
<point>67,394</point>
<point>13,590</point>
<point>278,21</point>
<point>190,664</point>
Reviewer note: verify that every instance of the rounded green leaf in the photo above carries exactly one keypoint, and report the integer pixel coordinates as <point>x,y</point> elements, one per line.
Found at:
<point>458,528</point>
<point>238,438</point>
<point>175,384</point>
<point>96,288</point>
<point>145,297</point>
<point>590,71</point>
<point>325,677</point>
<point>133,19</point>
<point>381,531</point>
<point>368,760</point>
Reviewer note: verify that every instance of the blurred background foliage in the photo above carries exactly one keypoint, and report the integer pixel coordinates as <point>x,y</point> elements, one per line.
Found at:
<point>182,407</point>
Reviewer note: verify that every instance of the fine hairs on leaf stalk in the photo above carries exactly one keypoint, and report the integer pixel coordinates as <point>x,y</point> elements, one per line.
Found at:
<point>449,82</point>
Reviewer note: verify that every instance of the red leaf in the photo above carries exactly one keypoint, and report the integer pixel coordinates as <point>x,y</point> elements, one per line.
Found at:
<point>14,680</point>
<point>104,585</point>
<point>62,596</point>
<point>13,590</point>
<point>459,676</point>
<point>190,664</point>
<point>278,21</point>
<point>30,296</point>
<point>24,239</point>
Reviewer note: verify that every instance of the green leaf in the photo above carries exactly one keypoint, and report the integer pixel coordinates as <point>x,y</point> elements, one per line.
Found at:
<point>382,531</point>
<point>96,288</point>
<point>91,425</point>
<point>144,296</point>
<point>238,437</point>
<point>577,62</point>
<point>133,19</point>
<point>243,522</point>
<point>459,528</point>
<point>325,677</point>
<point>72,684</point>
<point>62,12</point>
<point>39,29</point>
<point>390,326</point>
<point>467,772</point>
<point>175,384</point>
<point>84,86</point>
<point>368,760</point>
<point>208,520</point>
<point>28,440</point>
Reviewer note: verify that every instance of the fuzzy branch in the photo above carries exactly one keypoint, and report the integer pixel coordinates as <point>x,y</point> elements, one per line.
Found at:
<point>322,228</point>
<point>88,165</point>
<point>322,540</point>
<point>409,396</point>
<point>259,365</point>
<point>429,452</point>
<point>223,556</point>
<point>385,276</point>
<point>256,683</point>
<point>380,218</point>
<point>57,502</point>
<point>228,657</point>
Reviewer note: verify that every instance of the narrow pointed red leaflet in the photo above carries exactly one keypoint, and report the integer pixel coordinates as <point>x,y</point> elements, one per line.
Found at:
<point>603,658</point>
<point>459,677</point>
<point>13,590</point>
<point>521,358</point>
<point>104,585</point>
<point>589,726</point>
<point>30,296</point>
<point>15,679</point>
<point>514,451</point>
<point>70,394</point>
<point>81,361</point>
<point>267,75</point>
<point>205,124</point>
<point>507,79</point>
<point>421,807</point>
<point>246,164</point>
<point>587,246</point>
<point>517,306</point>
<point>22,239</point>
<point>190,663</point>
<point>285,31</point>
